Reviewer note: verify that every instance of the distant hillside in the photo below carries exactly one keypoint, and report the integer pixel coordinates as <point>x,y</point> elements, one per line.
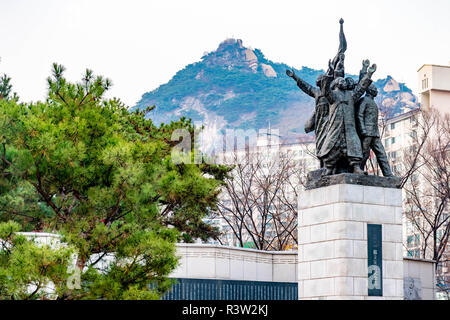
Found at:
<point>237,87</point>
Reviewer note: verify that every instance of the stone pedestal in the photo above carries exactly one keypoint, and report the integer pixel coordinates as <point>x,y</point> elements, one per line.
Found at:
<point>334,215</point>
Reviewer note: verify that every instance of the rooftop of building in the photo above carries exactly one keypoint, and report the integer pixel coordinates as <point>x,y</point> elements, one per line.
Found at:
<point>402,116</point>
<point>433,65</point>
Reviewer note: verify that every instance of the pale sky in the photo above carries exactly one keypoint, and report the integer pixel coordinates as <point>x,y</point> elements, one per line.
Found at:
<point>142,44</point>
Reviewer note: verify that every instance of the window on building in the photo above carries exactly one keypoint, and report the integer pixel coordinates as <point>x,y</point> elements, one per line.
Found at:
<point>413,241</point>
<point>392,126</point>
<point>392,140</point>
<point>386,142</point>
<point>409,242</point>
<point>417,239</point>
<point>417,253</point>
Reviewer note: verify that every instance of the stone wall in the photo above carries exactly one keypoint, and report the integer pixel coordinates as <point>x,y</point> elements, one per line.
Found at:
<point>419,279</point>
<point>203,261</point>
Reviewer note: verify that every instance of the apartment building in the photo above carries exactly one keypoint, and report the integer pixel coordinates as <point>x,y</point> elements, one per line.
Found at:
<point>434,86</point>
<point>401,138</point>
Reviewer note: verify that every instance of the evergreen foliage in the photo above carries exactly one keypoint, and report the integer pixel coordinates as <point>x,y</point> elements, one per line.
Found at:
<point>84,167</point>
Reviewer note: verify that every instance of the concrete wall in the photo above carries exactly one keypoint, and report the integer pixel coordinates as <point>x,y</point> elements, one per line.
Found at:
<point>441,77</point>
<point>440,100</point>
<point>204,261</point>
<point>419,279</point>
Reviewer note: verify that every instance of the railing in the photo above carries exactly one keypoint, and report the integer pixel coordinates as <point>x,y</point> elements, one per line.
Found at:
<point>207,289</point>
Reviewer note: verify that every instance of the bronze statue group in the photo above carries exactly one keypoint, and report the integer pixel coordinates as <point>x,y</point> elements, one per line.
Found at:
<point>344,121</point>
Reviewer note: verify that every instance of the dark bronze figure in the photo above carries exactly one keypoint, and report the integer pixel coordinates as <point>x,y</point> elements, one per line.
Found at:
<point>367,125</point>
<point>319,119</point>
<point>346,127</point>
<point>342,150</point>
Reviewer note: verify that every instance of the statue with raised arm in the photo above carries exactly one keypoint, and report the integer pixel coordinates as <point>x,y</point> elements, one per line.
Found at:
<point>367,126</point>
<point>338,62</point>
<point>319,119</point>
<point>341,150</point>
<point>346,126</point>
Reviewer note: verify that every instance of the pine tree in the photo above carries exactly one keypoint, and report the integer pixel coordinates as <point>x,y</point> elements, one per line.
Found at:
<point>5,87</point>
<point>83,166</point>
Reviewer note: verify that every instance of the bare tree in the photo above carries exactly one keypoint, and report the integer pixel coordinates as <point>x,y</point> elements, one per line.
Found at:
<point>259,200</point>
<point>425,180</point>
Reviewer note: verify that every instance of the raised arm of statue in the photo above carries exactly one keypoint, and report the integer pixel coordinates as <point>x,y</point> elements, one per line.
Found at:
<point>303,85</point>
<point>364,83</point>
<point>342,44</point>
<point>330,71</point>
<point>342,40</point>
<point>363,72</point>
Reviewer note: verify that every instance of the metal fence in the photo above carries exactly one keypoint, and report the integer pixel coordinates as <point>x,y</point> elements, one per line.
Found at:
<point>205,289</point>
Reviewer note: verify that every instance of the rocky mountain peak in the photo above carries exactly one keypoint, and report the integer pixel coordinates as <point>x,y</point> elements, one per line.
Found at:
<point>237,87</point>
<point>391,85</point>
<point>230,43</point>
<point>231,53</point>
